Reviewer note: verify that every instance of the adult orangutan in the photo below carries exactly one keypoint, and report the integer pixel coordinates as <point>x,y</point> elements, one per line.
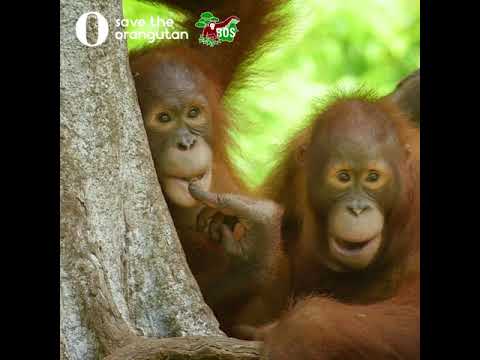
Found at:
<point>180,87</point>
<point>350,187</point>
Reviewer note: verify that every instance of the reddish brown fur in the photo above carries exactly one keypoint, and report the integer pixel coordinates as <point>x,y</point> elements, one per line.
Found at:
<point>259,21</point>
<point>407,95</point>
<point>372,314</point>
<point>236,292</point>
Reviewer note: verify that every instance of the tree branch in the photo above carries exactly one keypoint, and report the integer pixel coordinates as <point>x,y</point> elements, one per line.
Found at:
<point>189,347</point>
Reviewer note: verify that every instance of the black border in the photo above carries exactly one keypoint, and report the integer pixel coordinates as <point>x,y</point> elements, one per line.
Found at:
<point>447,243</point>
<point>31,144</point>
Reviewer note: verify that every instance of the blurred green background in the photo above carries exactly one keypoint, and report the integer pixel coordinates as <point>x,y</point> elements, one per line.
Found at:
<point>336,44</point>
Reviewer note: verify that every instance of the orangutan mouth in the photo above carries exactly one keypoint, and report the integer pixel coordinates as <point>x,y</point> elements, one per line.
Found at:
<point>352,246</point>
<point>189,179</point>
<point>349,247</point>
<point>176,187</point>
<point>194,179</point>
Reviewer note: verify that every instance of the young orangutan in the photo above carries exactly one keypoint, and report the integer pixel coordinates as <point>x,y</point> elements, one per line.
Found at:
<point>350,187</point>
<point>180,87</point>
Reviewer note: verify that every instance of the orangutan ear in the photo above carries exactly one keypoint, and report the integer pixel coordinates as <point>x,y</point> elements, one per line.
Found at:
<point>301,154</point>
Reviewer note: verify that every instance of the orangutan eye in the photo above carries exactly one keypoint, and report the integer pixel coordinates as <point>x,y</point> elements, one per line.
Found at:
<point>373,176</point>
<point>343,176</point>
<point>193,113</point>
<point>164,117</point>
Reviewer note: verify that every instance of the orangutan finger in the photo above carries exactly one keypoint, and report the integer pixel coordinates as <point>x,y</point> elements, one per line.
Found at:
<point>229,204</point>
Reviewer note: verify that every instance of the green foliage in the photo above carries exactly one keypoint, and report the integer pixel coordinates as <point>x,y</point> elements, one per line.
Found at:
<point>333,44</point>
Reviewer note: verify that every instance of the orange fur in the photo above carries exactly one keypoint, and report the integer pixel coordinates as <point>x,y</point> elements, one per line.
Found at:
<point>369,314</point>
<point>237,292</point>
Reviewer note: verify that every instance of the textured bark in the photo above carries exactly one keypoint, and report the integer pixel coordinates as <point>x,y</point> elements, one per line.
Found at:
<point>189,348</point>
<point>123,273</point>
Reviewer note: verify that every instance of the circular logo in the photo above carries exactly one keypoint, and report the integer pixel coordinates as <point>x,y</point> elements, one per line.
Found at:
<point>81,29</point>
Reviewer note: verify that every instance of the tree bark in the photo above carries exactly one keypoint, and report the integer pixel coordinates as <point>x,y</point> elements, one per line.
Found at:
<point>123,273</point>
<point>191,348</point>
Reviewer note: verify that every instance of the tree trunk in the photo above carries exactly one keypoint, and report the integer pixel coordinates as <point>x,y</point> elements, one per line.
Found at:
<point>123,273</point>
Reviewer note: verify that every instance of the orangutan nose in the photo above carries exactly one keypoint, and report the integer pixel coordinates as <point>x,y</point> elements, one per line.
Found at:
<point>357,207</point>
<point>185,141</point>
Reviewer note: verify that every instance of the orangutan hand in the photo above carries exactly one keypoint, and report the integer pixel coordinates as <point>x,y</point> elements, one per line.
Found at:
<point>246,227</point>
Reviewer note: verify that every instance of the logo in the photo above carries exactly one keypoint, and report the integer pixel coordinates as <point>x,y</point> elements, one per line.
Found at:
<point>167,25</point>
<point>81,29</point>
<point>215,31</point>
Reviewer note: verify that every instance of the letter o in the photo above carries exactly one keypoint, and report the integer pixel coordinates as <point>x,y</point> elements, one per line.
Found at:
<point>81,29</point>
